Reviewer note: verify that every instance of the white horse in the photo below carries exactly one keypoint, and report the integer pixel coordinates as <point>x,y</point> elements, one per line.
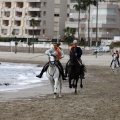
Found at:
<point>114,64</point>
<point>54,76</point>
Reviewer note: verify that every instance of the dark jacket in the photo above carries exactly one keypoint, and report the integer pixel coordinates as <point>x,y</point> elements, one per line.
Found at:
<point>77,51</point>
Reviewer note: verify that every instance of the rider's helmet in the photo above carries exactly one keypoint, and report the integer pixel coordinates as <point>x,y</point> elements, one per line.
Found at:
<point>74,41</point>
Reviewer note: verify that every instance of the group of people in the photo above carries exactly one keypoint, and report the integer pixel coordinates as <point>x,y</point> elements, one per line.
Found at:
<point>117,58</point>
<point>57,51</point>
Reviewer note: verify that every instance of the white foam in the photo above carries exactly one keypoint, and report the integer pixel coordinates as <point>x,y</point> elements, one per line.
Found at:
<point>20,76</point>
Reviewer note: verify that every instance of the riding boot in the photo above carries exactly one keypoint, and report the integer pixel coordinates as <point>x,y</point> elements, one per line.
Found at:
<point>63,76</point>
<point>40,75</point>
<point>66,69</point>
<point>43,70</point>
<point>60,67</point>
<point>61,72</point>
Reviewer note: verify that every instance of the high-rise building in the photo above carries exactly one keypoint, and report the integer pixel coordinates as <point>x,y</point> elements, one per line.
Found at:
<point>108,20</point>
<point>48,17</point>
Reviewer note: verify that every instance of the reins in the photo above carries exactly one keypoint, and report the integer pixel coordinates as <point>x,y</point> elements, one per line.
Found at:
<point>53,72</point>
<point>52,67</point>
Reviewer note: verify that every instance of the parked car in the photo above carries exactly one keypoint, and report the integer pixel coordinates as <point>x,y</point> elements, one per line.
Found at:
<point>102,49</point>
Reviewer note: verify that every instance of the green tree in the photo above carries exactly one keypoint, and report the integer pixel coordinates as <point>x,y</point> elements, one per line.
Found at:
<point>69,35</point>
<point>80,5</point>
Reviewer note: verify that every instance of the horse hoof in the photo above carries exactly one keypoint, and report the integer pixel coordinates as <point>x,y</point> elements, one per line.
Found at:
<point>76,93</point>
<point>55,96</point>
<point>70,86</point>
<point>81,86</point>
<point>60,96</point>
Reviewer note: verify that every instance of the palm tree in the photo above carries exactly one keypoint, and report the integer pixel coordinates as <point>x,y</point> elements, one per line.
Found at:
<point>33,22</point>
<point>81,5</point>
<point>97,20</point>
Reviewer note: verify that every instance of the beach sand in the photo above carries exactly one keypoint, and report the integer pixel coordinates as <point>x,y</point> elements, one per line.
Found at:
<point>99,99</point>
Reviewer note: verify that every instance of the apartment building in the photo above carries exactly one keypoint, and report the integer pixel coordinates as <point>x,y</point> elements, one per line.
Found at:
<point>108,20</point>
<point>16,17</point>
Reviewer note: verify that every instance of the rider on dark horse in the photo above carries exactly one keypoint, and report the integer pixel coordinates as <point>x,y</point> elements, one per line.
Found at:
<point>77,52</point>
<point>58,54</point>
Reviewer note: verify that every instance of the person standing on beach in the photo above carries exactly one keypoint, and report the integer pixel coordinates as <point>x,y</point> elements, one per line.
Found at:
<point>116,54</point>
<point>55,51</point>
<point>117,57</point>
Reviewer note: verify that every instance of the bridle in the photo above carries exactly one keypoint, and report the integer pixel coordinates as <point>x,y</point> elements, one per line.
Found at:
<point>52,61</point>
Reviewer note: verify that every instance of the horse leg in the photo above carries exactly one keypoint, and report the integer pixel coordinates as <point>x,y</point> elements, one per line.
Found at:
<point>76,81</point>
<point>55,85</point>
<point>60,87</point>
<point>70,85</point>
<point>81,85</point>
<point>52,84</point>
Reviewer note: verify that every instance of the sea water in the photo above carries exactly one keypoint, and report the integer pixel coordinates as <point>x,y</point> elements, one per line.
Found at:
<point>14,76</point>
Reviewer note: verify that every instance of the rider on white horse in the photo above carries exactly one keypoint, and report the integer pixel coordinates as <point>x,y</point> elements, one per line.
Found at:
<point>58,54</point>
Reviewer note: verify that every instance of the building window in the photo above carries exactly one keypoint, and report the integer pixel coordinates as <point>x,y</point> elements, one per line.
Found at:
<point>4,31</point>
<point>56,15</point>
<point>104,12</point>
<point>43,31</point>
<point>44,22</point>
<point>16,31</point>
<point>44,13</point>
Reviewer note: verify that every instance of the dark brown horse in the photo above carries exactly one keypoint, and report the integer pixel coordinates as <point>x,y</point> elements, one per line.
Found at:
<point>74,73</point>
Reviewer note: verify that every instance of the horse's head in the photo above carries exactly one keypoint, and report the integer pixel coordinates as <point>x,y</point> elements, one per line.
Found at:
<point>52,60</point>
<point>73,58</point>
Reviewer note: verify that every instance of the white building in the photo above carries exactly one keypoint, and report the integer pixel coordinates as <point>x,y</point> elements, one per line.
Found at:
<point>49,16</point>
<point>108,20</point>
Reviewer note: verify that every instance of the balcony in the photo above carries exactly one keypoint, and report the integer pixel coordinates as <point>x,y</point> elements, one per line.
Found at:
<point>18,14</point>
<point>34,1</point>
<point>6,23</point>
<point>75,24</point>
<point>19,4</point>
<point>35,5</point>
<point>34,9</point>
<point>17,23</point>
<point>8,5</point>
<point>7,14</point>
<point>19,9</point>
